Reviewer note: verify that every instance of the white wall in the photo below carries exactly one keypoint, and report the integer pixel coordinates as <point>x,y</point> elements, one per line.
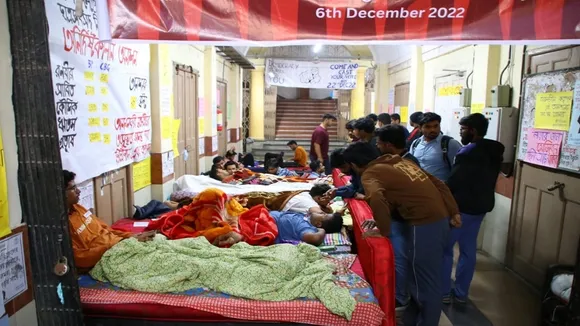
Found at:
<point>320,94</point>
<point>289,93</point>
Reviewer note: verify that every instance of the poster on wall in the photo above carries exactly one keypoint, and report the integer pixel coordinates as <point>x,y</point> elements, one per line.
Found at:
<point>446,100</point>
<point>307,74</point>
<point>12,267</point>
<point>101,92</point>
<point>4,210</point>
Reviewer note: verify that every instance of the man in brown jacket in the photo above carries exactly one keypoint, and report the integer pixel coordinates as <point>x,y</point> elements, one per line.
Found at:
<point>426,204</point>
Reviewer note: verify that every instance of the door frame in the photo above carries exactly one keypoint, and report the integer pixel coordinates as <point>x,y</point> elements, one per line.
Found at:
<point>224,121</point>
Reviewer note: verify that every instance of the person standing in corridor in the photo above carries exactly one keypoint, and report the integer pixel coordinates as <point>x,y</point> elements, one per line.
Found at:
<point>320,142</point>
<point>472,183</point>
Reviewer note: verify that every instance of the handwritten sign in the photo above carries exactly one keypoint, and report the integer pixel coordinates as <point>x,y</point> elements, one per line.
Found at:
<point>574,131</point>
<point>307,74</point>
<point>4,209</point>
<point>553,111</point>
<point>101,91</point>
<point>544,147</point>
<point>201,126</point>
<point>404,114</point>
<point>12,267</point>
<point>87,196</point>
<point>175,136</point>
<point>449,91</point>
<point>142,174</point>
<point>477,108</point>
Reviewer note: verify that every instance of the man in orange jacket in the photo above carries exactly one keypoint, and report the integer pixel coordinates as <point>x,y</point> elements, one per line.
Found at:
<point>90,236</point>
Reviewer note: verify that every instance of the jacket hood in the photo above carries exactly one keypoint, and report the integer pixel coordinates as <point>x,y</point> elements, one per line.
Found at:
<point>485,148</point>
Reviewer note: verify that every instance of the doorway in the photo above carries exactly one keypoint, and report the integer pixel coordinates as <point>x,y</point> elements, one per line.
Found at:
<point>185,81</point>
<point>402,100</point>
<point>222,103</point>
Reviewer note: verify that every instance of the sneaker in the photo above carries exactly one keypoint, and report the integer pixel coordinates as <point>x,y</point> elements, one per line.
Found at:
<point>400,306</point>
<point>460,300</point>
<point>447,298</point>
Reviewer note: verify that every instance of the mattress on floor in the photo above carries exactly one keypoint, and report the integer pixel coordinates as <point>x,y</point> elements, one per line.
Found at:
<point>202,305</point>
<point>375,254</point>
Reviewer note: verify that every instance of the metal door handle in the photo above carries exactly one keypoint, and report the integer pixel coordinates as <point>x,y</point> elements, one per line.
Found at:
<point>556,185</point>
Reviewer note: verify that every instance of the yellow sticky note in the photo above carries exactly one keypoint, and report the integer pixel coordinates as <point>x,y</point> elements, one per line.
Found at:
<point>105,107</point>
<point>95,137</point>
<point>105,122</point>
<point>89,90</point>
<point>4,210</point>
<point>449,91</point>
<point>104,78</point>
<point>142,174</point>
<point>94,122</point>
<point>477,107</point>
<point>166,127</point>
<point>175,136</point>
<point>201,126</point>
<point>133,102</point>
<point>104,91</point>
<point>107,139</point>
<point>404,114</point>
<point>92,107</point>
<point>89,75</point>
<point>553,111</point>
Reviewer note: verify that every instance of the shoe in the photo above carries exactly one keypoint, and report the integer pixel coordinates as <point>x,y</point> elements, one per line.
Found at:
<point>399,306</point>
<point>447,298</point>
<point>460,300</point>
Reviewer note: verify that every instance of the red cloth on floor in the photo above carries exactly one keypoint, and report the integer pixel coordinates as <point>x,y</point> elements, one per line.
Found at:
<point>258,227</point>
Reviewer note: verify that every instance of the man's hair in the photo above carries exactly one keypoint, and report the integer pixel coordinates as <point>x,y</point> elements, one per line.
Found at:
<point>429,117</point>
<point>385,118</point>
<point>360,153</point>
<point>333,225</point>
<point>319,190</point>
<point>337,158</point>
<point>350,125</point>
<point>272,163</point>
<point>217,159</point>
<point>68,177</point>
<point>329,117</point>
<point>394,134</point>
<point>395,116</point>
<point>231,153</point>
<point>314,165</point>
<point>476,121</point>
<point>416,117</point>
<point>373,117</point>
<point>292,142</point>
<point>228,163</point>
<point>213,172</point>
<point>365,124</point>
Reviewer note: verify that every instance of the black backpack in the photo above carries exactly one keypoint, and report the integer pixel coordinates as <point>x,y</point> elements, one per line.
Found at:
<point>444,148</point>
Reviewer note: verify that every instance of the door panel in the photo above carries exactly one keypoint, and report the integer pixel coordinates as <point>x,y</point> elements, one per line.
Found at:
<point>114,199</point>
<point>179,113</point>
<point>185,103</point>
<point>222,106</point>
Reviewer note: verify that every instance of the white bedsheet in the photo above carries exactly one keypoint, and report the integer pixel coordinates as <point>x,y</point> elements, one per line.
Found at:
<point>198,183</point>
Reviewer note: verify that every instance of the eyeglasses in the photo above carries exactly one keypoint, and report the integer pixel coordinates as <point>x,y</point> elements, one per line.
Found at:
<point>73,188</point>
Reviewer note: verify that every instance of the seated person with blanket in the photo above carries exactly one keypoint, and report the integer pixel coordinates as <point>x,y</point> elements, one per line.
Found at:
<point>90,236</point>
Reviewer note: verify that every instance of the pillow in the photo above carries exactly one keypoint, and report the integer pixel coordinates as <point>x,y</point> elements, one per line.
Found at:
<point>337,239</point>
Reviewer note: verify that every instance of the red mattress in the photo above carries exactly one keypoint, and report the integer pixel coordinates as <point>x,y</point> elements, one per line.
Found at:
<point>375,254</point>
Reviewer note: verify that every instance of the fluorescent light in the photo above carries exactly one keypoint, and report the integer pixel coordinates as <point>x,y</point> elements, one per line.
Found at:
<point>317,48</point>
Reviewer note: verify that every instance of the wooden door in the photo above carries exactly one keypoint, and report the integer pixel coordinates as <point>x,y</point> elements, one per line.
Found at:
<point>222,103</point>
<point>545,221</point>
<point>185,106</point>
<point>114,195</point>
<point>401,99</point>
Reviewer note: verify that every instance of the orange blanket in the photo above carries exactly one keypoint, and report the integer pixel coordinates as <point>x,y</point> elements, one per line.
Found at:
<point>211,214</point>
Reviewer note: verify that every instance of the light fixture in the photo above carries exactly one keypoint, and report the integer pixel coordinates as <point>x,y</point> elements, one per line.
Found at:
<point>317,48</point>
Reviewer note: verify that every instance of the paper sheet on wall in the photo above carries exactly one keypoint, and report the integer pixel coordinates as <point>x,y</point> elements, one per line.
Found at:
<point>449,90</point>
<point>574,130</point>
<point>404,114</point>
<point>201,126</point>
<point>229,111</point>
<point>167,166</point>
<point>142,174</point>
<point>544,147</point>
<point>165,71</point>
<point>12,267</point>
<point>165,99</point>
<point>477,108</point>
<point>201,145</point>
<point>166,127</point>
<point>4,209</point>
<point>175,136</point>
<point>214,144</point>
<point>200,107</point>
<point>553,111</point>
<point>87,196</point>
<point>101,93</point>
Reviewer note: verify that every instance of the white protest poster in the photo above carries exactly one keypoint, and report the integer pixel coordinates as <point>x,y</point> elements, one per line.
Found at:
<point>87,196</point>
<point>12,267</point>
<point>574,132</point>
<point>307,74</point>
<point>101,93</point>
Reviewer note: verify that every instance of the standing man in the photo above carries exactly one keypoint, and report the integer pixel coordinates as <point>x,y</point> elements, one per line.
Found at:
<point>320,142</point>
<point>384,119</point>
<point>391,140</point>
<point>472,182</point>
<point>373,117</point>
<point>424,203</point>
<point>300,156</point>
<point>364,129</point>
<point>435,151</point>
<point>396,120</point>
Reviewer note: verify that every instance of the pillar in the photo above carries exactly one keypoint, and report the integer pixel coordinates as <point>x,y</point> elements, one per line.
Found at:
<point>257,104</point>
<point>485,75</point>
<point>417,80</point>
<point>210,91</point>
<point>357,100</point>
<point>382,88</point>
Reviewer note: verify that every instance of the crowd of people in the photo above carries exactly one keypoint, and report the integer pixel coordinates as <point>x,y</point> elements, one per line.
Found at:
<point>427,191</point>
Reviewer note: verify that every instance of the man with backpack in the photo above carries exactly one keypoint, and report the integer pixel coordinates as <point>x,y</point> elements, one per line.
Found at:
<point>435,151</point>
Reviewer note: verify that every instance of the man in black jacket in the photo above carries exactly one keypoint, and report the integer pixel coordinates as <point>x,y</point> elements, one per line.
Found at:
<point>472,183</point>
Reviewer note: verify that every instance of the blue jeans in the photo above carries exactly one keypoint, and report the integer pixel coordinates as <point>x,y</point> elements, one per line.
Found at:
<point>426,244</point>
<point>399,234</point>
<point>466,236</point>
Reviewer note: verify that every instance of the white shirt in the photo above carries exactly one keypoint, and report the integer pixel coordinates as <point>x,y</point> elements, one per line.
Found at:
<point>300,203</point>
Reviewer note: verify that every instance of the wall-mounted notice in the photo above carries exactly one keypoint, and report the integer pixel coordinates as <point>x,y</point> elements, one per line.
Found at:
<point>142,174</point>
<point>101,92</point>
<point>307,74</point>
<point>553,111</point>
<point>166,127</point>
<point>214,144</point>
<point>12,267</point>
<point>477,108</point>
<point>167,164</point>
<point>201,145</point>
<point>200,107</point>
<point>404,114</point>
<point>87,197</point>
<point>574,130</point>
<point>201,126</point>
<point>544,147</point>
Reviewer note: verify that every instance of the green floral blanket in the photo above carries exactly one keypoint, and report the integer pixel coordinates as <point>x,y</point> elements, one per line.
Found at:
<point>275,273</point>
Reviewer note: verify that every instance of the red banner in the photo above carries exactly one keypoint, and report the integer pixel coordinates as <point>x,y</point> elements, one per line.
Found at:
<point>344,20</point>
